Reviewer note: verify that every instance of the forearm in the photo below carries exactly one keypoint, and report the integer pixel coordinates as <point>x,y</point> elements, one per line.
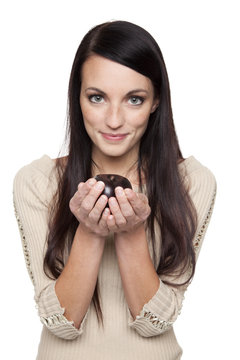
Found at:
<point>75,286</point>
<point>139,278</point>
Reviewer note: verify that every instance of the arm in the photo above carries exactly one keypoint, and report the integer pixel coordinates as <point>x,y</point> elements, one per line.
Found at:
<point>133,256</point>
<point>76,284</point>
<point>154,306</point>
<point>31,196</point>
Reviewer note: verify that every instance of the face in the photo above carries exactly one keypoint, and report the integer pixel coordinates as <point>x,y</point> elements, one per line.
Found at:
<point>116,103</point>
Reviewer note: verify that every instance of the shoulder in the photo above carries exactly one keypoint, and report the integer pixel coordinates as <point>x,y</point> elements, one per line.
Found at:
<point>37,178</point>
<point>44,165</point>
<point>201,184</point>
<point>194,172</point>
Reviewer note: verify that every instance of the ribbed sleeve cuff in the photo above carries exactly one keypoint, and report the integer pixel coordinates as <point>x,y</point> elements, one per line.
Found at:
<point>157,315</point>
<point>51,315</point>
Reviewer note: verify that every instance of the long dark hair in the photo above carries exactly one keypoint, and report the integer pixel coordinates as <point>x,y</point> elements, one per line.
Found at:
<point>159,155</point>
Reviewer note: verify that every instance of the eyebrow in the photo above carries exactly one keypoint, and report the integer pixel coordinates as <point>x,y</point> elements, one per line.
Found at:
<point>129,93</point>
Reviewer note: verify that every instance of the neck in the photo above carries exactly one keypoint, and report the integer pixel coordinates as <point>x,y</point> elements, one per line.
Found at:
<point>126,167</point>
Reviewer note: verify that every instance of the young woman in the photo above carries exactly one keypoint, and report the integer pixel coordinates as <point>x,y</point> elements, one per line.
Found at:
<point>110,280</point>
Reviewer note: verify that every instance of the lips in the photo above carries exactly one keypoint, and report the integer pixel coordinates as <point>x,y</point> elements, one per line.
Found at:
<point>113,137</point>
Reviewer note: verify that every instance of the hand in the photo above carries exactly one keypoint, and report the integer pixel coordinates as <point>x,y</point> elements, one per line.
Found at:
<point>129,210</point>
<point>88,207</point>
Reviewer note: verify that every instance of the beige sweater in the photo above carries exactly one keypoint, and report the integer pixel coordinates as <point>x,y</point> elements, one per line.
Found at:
<point>150,336</point>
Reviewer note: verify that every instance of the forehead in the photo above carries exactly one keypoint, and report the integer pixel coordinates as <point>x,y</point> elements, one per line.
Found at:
<point>103,73</point>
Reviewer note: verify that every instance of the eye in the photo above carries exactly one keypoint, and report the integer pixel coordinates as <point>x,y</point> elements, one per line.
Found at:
<point>136,100</point>
<point>97,99</point>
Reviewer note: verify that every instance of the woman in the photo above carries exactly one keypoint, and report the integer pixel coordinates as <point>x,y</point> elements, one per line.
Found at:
<point>111,279</point>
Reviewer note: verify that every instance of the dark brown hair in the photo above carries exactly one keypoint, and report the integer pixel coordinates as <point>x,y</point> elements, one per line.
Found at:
<point>159,155</point>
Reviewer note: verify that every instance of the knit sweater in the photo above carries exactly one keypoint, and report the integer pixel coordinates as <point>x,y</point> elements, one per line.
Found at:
<point>151,335</point>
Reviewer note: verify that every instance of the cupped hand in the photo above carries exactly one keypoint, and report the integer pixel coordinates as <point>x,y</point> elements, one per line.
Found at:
<point>88,207</point>
<point>129,210</point>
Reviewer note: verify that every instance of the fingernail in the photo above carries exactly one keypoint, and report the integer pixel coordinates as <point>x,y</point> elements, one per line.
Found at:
<point>106,211</point>
<point>91,182</point>
<point>128,191</point>
<point>119,191</point>
<point>112,201</point>
<point>99,185</point>
<point>103,199</point>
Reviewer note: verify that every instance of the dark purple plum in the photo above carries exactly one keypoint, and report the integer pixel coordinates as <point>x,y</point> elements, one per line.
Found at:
<point>111,181</point>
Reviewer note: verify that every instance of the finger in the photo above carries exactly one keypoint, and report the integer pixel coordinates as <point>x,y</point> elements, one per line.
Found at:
<point>139,203</point>
<point>142,197</point>
<point>96,212</point>
<point>91,198</point>
<point>82,191</point>
<point>85,187</point>
<point>116,212</point>
<point>76,200</point>
<point>125,206</point>
<point>111,223</point>
<point>90,182</point>
<point>103,220</point>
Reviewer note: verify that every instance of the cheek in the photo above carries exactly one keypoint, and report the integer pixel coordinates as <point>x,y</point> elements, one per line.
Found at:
<point>91,117</point>
<point>140,120</point>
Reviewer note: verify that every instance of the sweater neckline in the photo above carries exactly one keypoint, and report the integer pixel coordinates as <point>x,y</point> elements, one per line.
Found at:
<point>185,167</point>
<point>187,162</point>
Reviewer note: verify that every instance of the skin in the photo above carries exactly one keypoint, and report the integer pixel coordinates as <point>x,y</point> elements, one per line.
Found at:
<point>121,109</point>
<point>111,109</point>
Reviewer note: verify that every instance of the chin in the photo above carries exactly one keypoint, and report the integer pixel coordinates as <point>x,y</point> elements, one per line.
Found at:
<point>114,153</point>
<point>115,150</point>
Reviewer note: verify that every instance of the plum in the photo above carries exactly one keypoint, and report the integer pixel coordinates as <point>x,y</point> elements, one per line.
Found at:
<point>111,181</point>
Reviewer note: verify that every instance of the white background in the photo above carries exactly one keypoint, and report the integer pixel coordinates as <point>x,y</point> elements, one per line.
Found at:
<point>200,44</point>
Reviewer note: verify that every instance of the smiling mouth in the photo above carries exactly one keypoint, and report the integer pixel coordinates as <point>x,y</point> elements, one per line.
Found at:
<point>114,137</point>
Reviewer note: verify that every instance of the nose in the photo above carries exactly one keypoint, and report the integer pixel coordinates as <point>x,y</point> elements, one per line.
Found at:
<point>114,118</point>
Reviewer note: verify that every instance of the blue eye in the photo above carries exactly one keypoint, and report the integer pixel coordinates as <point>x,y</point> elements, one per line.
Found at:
<point>136,100</point>
<point>97,99</point>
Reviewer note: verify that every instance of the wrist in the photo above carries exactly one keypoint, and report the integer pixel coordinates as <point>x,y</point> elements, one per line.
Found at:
<point>84,234</point>
<point>132,246</point>
<point>134,235</point>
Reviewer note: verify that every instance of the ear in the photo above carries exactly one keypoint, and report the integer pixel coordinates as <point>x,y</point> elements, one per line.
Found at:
<point>155,105</point>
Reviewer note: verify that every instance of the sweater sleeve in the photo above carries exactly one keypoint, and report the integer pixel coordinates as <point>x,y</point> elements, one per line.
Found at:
<point>159,314</point>
<point>31,193</point>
